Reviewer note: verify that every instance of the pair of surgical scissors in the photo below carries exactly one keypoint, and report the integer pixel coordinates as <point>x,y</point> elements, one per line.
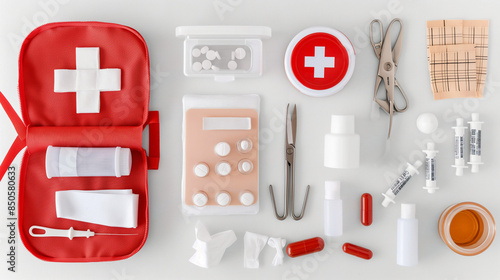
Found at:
<point>388,65</point>
<point>290,136</point>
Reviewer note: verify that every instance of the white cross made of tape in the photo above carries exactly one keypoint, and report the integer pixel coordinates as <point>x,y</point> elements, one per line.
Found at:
<point>88,80</point>
<point>319,61</point>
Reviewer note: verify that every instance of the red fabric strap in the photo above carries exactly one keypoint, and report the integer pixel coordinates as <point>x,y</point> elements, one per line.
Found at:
<point>154,140</point>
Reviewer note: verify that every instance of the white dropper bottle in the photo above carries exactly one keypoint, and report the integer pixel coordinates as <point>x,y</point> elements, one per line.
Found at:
<point>407,249</point>
<point>333,209</point>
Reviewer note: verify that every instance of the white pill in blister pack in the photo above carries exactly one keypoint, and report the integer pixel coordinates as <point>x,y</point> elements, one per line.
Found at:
<point>247,198</point>
<point>223,198</point>
<point>200,199</point>
<point>223,168</point>
<point>222,149</point>
<point>201,170</point>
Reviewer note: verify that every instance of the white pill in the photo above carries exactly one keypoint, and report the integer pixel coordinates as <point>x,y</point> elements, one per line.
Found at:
<point>232,65</point>
<point>206,64</point>
<point>247,198</point>
<point>211,55</point>
<point>204,50</point>
<point>223,198</point>
<point>244,145</point>
<point>197,66</point>
<point>222,149</point>
<point>196,52</point>
<point>240,53</point>
<point>201,170</point>
<point>245,166</point>
<point>215,68</point>
<point>200,199</point>
<point>223,168</point>
<point>218,55</point>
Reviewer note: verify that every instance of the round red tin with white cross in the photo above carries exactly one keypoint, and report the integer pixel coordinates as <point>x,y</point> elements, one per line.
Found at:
<point>319,61</point>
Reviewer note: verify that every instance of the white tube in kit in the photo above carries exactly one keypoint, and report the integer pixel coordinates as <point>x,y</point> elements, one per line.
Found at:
<point>86,162</point>
<point>342,144</point>
<point>407,243</point>
<point>333,209</point>
<point>400,182</point>
<point>430,168</point>
<point>475,143</point>
<point>459,147</point>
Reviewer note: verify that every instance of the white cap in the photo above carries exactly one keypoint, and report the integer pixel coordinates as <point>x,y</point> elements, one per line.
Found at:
<point>427,123</point>
<point>223,198</point>
<point>222,149</point>
<point>201,170</point>
<point>247,198</point>
<point>200,199</point>
<point>475,117</point>
<point>332,189</point>
<point>407,211</point>
<point>123,161</point>
<point>342,124</point>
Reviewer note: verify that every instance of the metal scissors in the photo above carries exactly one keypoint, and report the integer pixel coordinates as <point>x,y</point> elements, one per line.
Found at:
<point>290,136</point>
<point>388,65</point>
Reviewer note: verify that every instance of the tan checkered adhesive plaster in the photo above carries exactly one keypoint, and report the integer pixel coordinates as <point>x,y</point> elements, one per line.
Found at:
<point>457,51</point>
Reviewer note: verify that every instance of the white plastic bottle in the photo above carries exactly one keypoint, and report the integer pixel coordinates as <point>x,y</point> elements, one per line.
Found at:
<point>342,144</point>
<point>407,247</point>
<point>333,209</point>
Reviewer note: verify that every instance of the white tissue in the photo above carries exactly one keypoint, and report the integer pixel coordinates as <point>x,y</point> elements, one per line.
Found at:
<point>210,248</point>
<point>254,243</point>
<point>278,244</point>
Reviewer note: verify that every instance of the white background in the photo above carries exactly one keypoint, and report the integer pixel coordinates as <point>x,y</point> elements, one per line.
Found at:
<point>168,248</point>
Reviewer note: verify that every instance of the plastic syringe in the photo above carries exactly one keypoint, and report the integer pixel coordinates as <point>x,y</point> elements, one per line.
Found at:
<point>400,182</point>
<point>475,143</point>
<point>459,147</point>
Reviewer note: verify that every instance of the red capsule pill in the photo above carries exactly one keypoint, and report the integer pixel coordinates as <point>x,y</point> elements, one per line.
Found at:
<point>305,247</point>
<point>366,209</point>
<point>357,251</point>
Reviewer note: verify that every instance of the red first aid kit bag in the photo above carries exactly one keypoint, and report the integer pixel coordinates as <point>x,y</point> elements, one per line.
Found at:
<point>89,103</point>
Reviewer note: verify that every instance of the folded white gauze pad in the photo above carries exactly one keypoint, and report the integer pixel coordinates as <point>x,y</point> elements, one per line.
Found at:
<point>210,248</point>
<point>114,208</point>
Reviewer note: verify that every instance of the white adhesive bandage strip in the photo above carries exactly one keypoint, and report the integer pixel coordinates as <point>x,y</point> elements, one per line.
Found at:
<point>227,123</point>
<point>253,245</point>
<point>87,80</point>
<point>114,208</point>
<point>278,244</point>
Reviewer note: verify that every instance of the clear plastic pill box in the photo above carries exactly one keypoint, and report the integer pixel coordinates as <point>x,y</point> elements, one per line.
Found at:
<point>223,52</point>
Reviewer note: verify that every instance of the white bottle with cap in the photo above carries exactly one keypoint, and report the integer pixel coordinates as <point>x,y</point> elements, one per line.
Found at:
<point>400,182</point>
<point>430,168</point>
<point>86,162</point>
<point>333,209</point>
<point>407,243</point>
<point>342,144</point>
<point>475,143</point>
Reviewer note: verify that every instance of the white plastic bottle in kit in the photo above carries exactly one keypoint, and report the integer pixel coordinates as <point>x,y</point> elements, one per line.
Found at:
<point>333,209</point>
<point>342,143</point>
<point>407,252</point>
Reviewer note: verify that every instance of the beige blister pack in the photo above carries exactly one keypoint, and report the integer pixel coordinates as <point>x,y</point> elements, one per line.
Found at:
<point>221,154</point>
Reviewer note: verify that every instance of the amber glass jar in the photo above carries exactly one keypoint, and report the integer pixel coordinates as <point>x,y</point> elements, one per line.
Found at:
<point>467,228</point>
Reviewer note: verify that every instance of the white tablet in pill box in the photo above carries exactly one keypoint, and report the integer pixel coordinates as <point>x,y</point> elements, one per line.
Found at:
<point>232,51</point>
